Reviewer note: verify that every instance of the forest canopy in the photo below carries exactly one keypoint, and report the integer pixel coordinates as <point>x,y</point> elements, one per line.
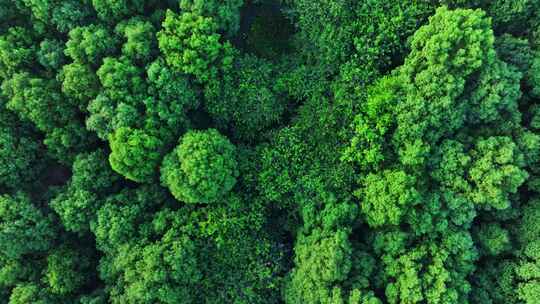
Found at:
<point>270,151</point>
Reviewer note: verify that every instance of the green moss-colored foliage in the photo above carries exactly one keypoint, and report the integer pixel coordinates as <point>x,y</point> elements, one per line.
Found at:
<point>191,44</point>
<point>67,270</point>
<point>201,169</point>
<point>387,196</point>
<point>254,105</point>
<point>514,50</point>
<point>20,151</point>
<point>80,82</point>
<point>496,172</point>
<point>225,12</point>
<point>533,74</point>
<point>16,51</point>
<point>91,181</point>
<point>40,101</point>
<point>172,97</point>
<point>135,154</point>
<point>120,102</point>
<point>110,10</point>
<point>24,229</point>
<point>140,41</point>
<point>30,293</point>
<point>511,16</point>
<point>269,152</point>
<point>70,14</point>
<point>51,54</point>
<point>89,44</point>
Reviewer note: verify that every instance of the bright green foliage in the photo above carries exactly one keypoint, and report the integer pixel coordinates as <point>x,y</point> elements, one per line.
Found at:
<point>443,53</point>
<point>110,10</point>
<point>67,270</point>
<point>368,152</point>
<point>525,278</point>
<point>120,102</point>
<point>450,164</point>
<point>121,80</point>
<point>373,125</point>
<point>201,169</point>
<point>80,82</point>
<point>323,262</point>
<point>386,196</point>
<point>494,99</point>
<point>24,229</point>
<point>16,51</point>
<point>496,172</point>
<point>135,154</point>
<point>191,44</point>
<point>184,255</point>
<point>141,43</point>
<point>432,271</point>
<point>225,12</point>
<point>30,293</point>
<point>172,97</point>
<point>89,44</point>
<point>92,179</point>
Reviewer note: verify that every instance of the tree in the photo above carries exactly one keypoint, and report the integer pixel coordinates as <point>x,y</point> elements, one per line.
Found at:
<point>111,10</point>
<point>135,154</point>
<point>226,13</point>
<point>17,51</point>
<point>30,293</point>
<point>323,261</point>
<point>121,100</point>
<point>140,36</point>
<point>386,196</point>
<point>20,152</point>
<point>497,172</point>
<point>249,103</point>
<point>437,68</point>
<point>191,44</point>
<point>40,101</point>
<point>173,96</point>
<point>51,54</point>
<point>67,270</point>
<point>80,82</point>
<point>91,182</point>
<point>89,44</point>
<point>70,14</point>
<point>201,169</point>
<point>24,229</point>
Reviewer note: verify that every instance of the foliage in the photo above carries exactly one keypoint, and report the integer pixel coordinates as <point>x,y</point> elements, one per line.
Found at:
<point>190,43</point>
<point>268,152</point>
<point>135,154</point>
<point>201,169</point>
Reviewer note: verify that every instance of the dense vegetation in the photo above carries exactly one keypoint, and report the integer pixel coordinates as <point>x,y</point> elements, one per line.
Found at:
<point>267,151</point>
